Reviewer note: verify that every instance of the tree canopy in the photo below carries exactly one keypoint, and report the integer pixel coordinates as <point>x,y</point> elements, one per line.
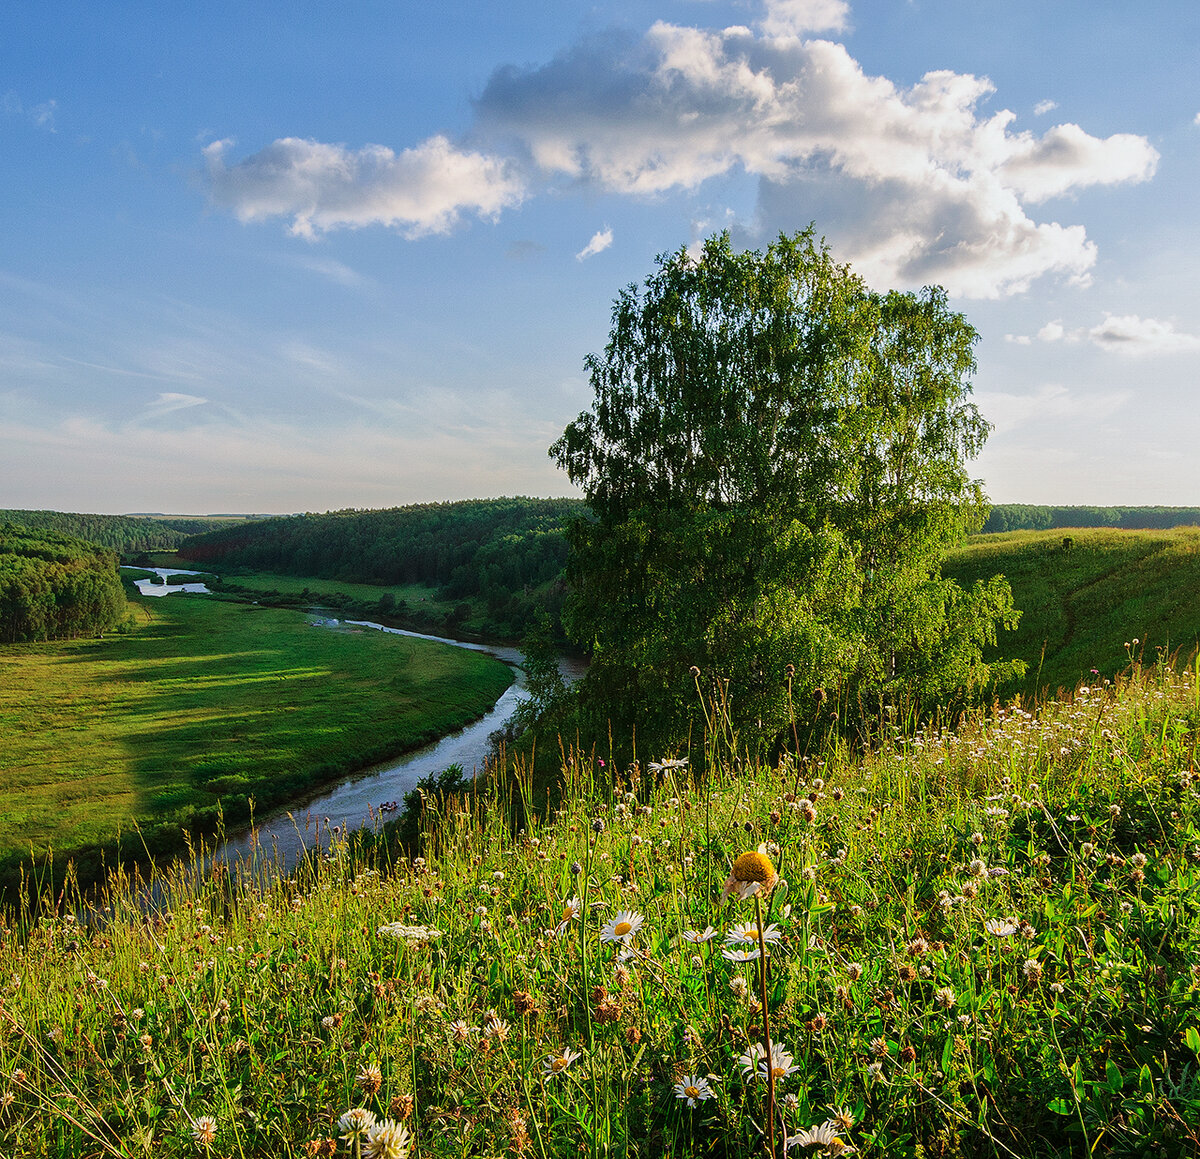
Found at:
<point>54,586</point>
<point>776,461</point>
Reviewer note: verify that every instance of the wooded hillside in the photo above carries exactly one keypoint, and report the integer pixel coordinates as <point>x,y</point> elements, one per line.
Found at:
<point>54,585</point>
<point>508,552</point>
<point>123,533</point>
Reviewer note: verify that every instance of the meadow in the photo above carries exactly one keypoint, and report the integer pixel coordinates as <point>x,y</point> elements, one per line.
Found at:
<point>1085,609</point>
<point>972,942</point>
<point>202,706</point>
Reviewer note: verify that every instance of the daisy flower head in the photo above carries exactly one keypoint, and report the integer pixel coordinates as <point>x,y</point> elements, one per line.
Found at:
<point>554,1064</point>
<point>387,1139</point>
<point>622,927</point>
<point>825,1135</point>
<point>741,955</point>
<point>752,873</point>
<point>754,1062</point>
<point>694,1090</point>
<point>571,909</point>
<point>697,938</point>
<point>746,934</point>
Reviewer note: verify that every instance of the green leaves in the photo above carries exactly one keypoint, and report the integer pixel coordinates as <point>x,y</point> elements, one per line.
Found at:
<point>776,457</point>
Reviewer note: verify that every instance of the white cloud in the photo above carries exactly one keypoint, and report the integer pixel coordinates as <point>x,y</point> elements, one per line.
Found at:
<point>601,240</point>
<point>911,184</point>
<point>41,114</point>
<point>1196,119</point>
<point>1044,107</point>
<point>170,401</point>
<point>321,187</point>
<point>1008,411</point>
<point>1126,334</point>
<point>1129,334</point>
<point>793,17</point>
<point>1066,158</point>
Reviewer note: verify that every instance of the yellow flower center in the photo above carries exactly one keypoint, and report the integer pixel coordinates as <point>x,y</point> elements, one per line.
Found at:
<point>754,867</point>
<point>558,1064</point>
<point>622,928</point>
<point>691,1092</point>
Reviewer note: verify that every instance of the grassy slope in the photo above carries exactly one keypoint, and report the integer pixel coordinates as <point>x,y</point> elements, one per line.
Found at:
<point>208,698</point>
<point>1086,603</point>
<point>902,985</point>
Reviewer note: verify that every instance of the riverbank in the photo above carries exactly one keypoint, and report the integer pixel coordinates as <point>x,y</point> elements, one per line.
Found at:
<point>125,743</point>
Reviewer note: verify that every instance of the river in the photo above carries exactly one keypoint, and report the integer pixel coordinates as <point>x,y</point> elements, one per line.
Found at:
<point>355,801</point>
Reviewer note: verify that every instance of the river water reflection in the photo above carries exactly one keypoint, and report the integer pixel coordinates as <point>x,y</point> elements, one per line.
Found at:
<point>353,803</point>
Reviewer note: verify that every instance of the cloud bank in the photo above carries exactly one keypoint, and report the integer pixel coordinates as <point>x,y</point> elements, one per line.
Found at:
<point>912,184</point>
<point>1126,334</point>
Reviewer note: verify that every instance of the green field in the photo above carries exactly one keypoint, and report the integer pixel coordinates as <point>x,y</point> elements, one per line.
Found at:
<point>1088,604</point>
<point>209,702</point>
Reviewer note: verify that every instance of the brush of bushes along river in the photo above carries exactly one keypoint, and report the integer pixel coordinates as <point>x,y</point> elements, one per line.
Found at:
<point>971,942</point>
<point>121,745</point>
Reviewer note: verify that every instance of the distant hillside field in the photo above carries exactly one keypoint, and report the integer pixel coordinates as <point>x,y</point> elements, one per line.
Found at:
<point>1086,601</point>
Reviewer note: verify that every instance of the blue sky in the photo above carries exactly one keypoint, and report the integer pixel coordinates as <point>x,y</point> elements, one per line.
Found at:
<point>264,257</point>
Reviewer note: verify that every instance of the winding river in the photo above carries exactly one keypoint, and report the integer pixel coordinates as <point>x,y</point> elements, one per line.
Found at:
<point>354,802</point>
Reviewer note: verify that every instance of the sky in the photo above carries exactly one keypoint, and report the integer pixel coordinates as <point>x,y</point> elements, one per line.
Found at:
<point>258,257</point>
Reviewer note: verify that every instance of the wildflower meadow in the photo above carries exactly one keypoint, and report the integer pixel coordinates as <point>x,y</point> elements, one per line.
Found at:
<point>972,941</point>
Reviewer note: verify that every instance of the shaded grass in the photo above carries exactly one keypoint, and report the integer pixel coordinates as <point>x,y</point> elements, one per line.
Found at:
<point>1083,608</point>
<point>208,703</point>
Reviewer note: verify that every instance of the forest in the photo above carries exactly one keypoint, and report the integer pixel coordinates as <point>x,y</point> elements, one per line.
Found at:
<point>1032,517</point>
<point>508,552</point>
<point>55,586</point>
<point>126,534</point>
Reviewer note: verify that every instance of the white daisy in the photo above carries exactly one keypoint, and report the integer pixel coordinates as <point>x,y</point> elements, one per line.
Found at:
<point>622,927</point>
<point>694,1090</point>
<point>570,910</point>
<point>554,1064</point>
<point>698,938</point>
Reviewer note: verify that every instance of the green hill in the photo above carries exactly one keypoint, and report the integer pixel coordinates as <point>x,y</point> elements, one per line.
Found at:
<point>1087,603</point>
<point>122,533</point>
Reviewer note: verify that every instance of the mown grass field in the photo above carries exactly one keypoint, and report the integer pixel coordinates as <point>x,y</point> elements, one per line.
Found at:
<point>1086,605</point>
<point>979,942</point>
<point>206,702</point>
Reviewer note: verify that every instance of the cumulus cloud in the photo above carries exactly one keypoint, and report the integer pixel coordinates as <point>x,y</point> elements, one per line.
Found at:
<point>1126,334</point>
<point>912,184</point>
<point>794,17</point>
<point>321,187</point>
<point>1044,107</point>
<point>601,240</point>
<point>1129,334</point>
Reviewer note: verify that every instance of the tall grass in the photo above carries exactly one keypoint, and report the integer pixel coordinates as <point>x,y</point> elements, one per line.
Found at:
<point>984,942</point>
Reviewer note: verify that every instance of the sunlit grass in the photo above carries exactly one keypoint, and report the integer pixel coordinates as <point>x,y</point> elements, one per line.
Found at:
<point>984,942</point>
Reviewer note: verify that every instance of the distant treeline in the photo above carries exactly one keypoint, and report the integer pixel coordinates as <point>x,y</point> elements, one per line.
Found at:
<point>509,553</point>
<point>125,534</point>
<point>1027,517</point>
<point>54,585</point>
